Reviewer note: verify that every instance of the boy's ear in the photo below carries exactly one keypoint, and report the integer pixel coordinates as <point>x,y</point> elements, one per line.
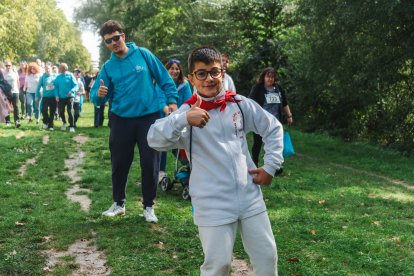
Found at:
<point>191,79</point>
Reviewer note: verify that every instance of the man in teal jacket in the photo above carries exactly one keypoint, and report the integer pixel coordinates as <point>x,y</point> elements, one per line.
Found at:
<point>66,87</point>
<point>127,80</point>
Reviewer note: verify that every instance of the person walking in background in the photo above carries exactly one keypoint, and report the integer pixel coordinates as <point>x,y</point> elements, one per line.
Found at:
<point>269,95</point>
<point>224,183</point>
<point>184,93</point>
<point>99,110</point>
<point>126,80</point>
<point>228,81</point>
<point>12,77</point>
<point>78,95</point>
<point>66,87</point>
<point>22,94</point>
<point>48,97</point>
<point>30,86</point>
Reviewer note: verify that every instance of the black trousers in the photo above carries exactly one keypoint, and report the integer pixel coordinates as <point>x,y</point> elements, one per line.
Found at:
<point>76,109</point>
<point>257,146</point>
<point>99,115</point>
<point>48,111</point>
<point>125,134</point>
<point>14,102</point>
<point>68,103</point>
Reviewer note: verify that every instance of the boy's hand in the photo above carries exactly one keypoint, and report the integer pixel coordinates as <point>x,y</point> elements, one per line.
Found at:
<point>196,116</point>
<point>261,177</point>
<point>103,90</point>
<point>173,107</point>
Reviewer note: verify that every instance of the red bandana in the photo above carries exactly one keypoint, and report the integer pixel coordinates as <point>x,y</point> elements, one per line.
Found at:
<point>222,103</point>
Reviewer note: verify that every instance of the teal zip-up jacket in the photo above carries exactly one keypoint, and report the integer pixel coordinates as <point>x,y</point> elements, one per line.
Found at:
<point>65,83</point>
<point>183,90</point>
<point>130,81</point>
<point>48,87</point>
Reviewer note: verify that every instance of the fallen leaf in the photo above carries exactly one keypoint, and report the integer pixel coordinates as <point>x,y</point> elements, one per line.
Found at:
<point>293,260</point>
<point>13,253</point>
<point>46,238</point>
<point>397,240</point>
<point>313,232</point>
<point>18,223</point>
<point>47,269</point>
<point>376,222</point>
<point>322,201</point>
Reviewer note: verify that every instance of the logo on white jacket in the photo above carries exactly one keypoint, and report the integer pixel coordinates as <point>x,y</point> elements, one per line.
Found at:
<point>238,124</point>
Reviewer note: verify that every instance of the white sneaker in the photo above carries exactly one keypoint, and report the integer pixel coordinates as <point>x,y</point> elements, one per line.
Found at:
<point>161,175</point>
<point>150,215</point>
<point>115,210</point>
<point>44,126</point>
<point>63,127</point>
<point>71,129</point>
<point>51,129</point>
<point>8,124</point>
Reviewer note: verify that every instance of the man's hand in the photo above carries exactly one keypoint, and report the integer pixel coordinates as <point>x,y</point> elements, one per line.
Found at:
<point>196,116</point>
<point>261,177</point>
<point>69,94</point>
<point>103,90</point>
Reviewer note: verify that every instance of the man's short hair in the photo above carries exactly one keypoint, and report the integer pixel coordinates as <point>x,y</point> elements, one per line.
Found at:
<point>204,54</point>
<point>109,27</point>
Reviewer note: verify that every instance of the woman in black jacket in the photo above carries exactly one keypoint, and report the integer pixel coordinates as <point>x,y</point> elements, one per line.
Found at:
<point>269,95</point>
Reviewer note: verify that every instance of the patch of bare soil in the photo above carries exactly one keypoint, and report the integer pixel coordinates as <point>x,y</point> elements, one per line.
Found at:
<point>20,135</point>
<point>45,139</point>
<point>88,260</point>
<point>72,164</point>
<point>80,139</point>
<point>240,268</point>
<point>23,168</point>
<point>84,200</point>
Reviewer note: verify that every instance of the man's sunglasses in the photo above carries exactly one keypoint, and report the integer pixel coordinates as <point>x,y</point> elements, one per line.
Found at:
<point>114,38</point>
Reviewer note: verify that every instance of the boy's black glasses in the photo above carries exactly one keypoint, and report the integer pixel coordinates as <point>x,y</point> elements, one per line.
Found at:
<point>114,38</point>
<point>202,74</point>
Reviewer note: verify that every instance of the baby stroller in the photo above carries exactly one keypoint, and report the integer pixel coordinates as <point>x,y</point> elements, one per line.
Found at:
<point>181,175</point>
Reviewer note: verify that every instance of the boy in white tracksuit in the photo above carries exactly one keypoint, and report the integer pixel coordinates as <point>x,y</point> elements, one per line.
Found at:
<point>224,184</point>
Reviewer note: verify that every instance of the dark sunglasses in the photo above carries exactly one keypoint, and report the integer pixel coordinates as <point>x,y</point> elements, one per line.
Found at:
<point>114,38</point>
<point>174,61</point>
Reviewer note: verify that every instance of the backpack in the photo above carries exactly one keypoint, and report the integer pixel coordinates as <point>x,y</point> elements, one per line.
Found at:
<point>5,87</point>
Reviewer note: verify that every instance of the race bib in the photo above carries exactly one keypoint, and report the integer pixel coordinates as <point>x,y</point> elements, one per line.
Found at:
<point>272,98</point>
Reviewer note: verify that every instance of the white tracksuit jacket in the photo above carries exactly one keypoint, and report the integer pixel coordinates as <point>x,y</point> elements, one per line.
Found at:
<point>221,189</point>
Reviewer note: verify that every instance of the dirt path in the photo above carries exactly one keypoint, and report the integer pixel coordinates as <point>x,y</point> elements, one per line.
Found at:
<point>389,179</point>
<point>87,258</point>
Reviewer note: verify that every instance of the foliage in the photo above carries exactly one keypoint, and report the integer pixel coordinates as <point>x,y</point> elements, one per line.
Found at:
<point>351,64</point>
<point>346,66</point>
<point>37,29</point>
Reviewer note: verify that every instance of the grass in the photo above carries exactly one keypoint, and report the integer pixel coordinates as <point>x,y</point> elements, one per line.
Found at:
<point>327,217</point>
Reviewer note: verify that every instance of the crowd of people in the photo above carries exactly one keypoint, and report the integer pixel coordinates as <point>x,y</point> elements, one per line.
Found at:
<point>43,92</point>
<point>155,107</point>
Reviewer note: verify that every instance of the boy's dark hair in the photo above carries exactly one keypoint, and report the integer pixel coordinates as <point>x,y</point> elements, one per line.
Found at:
<point>110,27</point>
<point>266,71</point>
<point>205,54</point>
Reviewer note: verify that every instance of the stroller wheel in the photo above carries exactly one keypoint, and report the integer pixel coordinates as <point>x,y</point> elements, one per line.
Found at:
<point>165,184</point>
<point>186,193</point>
